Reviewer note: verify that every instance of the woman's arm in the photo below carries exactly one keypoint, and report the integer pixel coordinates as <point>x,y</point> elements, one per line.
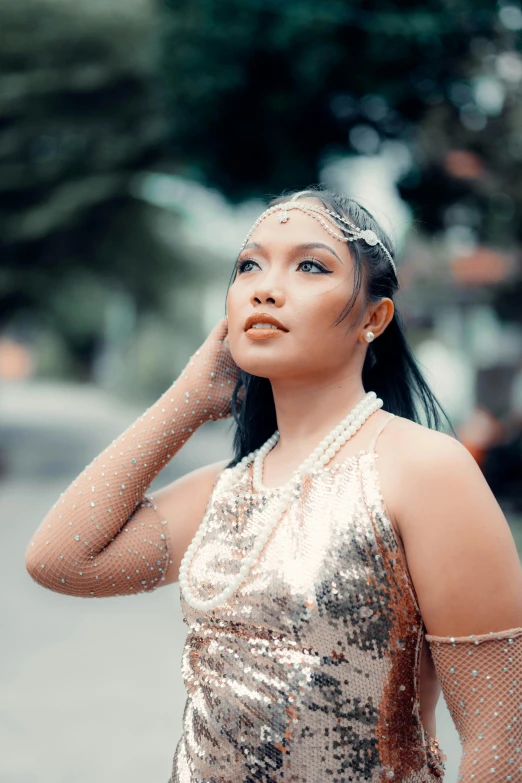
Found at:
<point>185,499</point>
<point>468,580</point>
<point>104,536</point>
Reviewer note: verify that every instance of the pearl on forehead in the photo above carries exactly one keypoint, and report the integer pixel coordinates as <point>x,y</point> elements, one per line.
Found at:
<point>320,213</point>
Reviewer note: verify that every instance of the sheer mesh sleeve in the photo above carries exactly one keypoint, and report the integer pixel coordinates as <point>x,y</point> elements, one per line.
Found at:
<point>480,677</point>
<point>104,536</point>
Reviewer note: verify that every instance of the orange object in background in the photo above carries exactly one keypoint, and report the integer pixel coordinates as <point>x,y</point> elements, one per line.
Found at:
<point>479,432</point>
<point>464,164</point>
<point>482,266</point>
<point>16,362</point>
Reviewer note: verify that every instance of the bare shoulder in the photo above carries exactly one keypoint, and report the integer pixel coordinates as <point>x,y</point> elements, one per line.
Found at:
<point>435,472</point>
<point>410,437</point>
<point>417,447</point>
<point>182,503</point>
<point>411,453</point>
<point>459,548</point>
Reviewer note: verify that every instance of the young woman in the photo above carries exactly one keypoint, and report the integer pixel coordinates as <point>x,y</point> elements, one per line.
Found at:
<point>349,558</point>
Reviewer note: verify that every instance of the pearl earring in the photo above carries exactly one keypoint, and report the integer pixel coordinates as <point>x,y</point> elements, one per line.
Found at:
<point>369,337</point>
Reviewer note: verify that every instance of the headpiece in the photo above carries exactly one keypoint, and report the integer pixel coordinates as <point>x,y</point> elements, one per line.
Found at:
<point>320,213</point>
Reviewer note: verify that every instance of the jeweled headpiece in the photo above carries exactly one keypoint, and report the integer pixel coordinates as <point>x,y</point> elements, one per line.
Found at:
<point>322,214</point>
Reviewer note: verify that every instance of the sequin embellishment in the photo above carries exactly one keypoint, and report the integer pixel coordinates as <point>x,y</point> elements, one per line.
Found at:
<point>309,672</point>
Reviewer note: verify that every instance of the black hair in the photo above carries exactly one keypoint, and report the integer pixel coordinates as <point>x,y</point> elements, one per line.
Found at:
<point>390,368</point>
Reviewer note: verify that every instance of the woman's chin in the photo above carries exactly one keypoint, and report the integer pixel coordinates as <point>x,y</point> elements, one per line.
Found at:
<point>262,366</point>
<point>266,358</point>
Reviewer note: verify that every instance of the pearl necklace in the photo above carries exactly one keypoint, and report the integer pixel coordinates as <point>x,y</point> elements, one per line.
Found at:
<point>324,452</point>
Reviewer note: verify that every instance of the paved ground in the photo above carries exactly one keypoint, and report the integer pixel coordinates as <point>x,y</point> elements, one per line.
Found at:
<point>90,689</point>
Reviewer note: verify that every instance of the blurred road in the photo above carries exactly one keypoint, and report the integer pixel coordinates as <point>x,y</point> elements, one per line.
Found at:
<point>90,689</point>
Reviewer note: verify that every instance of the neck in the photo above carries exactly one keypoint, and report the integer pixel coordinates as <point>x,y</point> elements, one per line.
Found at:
<point>308,409</point>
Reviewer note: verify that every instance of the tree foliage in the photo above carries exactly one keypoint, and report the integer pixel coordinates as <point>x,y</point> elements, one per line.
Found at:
<point>260,92</point>
<point>79,118</point>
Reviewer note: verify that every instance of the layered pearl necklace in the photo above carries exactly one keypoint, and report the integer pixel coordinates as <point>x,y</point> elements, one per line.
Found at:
<point>324,452</point>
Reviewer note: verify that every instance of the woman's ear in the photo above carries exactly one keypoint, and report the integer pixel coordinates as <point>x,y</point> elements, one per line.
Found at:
<point>381,315</point>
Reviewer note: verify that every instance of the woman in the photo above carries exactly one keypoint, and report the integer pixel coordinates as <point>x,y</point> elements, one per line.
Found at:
<point>329,587</point>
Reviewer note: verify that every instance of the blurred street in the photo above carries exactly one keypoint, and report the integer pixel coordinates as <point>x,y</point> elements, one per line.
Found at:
<point>90,689</point>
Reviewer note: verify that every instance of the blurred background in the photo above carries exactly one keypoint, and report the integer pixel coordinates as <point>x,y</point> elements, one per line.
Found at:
<point>139,140</point>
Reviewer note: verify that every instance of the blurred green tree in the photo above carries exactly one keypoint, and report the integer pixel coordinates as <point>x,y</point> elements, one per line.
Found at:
<point>80,117</point>
<point>255,95</point>
<point>260,92</point>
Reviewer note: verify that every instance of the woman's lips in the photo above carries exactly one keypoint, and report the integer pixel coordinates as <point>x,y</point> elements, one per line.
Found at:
<point>263,319</point>
<point>256,333</point>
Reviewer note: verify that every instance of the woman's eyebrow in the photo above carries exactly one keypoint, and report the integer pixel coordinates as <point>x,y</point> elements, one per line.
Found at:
<point>304,246</point>
<point>312,245</point>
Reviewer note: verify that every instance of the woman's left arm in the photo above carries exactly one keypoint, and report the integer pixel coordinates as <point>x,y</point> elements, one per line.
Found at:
<point>468,579</point>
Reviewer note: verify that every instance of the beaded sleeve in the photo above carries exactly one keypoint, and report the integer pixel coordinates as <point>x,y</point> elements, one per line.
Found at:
<point>104,536</point>
<point>480,677</point>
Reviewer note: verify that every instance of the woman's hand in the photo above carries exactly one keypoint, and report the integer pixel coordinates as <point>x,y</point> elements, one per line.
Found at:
<point>213,373</point>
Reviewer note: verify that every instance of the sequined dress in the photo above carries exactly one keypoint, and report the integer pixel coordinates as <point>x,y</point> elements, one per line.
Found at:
<point>310,671</point>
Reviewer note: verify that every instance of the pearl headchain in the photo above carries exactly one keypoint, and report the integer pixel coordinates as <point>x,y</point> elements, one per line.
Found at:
<point>319,213</point>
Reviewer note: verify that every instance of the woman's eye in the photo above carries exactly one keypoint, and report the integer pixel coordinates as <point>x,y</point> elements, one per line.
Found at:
<point>306,266</point>
<point>309,266</point>
<point>242,266</point>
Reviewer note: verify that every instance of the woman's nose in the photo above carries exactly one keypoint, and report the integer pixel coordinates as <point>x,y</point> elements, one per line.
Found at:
<point>264,294</point>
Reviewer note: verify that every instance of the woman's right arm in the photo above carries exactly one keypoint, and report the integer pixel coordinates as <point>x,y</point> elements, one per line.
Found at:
<point>104,536</point>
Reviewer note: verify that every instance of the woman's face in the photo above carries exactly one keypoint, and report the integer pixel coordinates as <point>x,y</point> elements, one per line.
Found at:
<point>300,275</point>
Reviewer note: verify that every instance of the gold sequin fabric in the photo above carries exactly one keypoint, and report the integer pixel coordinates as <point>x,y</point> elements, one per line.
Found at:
<point>310,671</point>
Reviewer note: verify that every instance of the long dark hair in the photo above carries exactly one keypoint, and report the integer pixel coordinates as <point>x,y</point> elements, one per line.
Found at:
<point>390,368</point>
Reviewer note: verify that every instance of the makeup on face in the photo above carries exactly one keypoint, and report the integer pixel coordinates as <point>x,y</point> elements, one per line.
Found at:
<point>293,284</point>
<point>262,326</point>
<point>303,247</point>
